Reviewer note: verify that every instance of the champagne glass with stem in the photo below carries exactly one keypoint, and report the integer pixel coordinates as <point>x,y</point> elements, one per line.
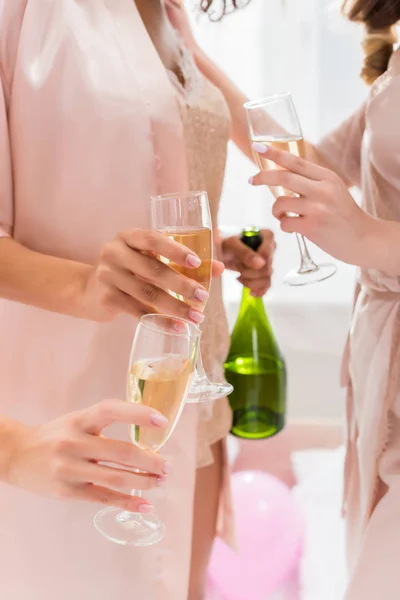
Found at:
<point>187,220</point>
<point>273,121</point>
<point>161,367</point>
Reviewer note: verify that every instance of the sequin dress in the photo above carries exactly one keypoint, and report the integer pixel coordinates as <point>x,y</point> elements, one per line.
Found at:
<point>206,121</point>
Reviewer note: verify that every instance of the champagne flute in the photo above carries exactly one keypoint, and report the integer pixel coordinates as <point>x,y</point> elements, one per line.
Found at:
<point>273,121</point>
<point>161,367</point>
<point>187,220</point>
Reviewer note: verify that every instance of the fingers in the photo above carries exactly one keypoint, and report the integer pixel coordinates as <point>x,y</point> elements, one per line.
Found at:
<point>102,449</point>
<point>95,418</point>
<point>107,497</point>
<point>161,245</point>
<point>150,295</point>
<point>217,268</point>
<point>290,204</point>
<point>153,270</point>
<point>294,225</point>
<point>293,163</point>
<point>242,254</point>
<point>285,179</point>
<point>249,275</point>
<point>131,271</point>
<point>116,479</point>
<point>268,245</point>
<point>258,287</point>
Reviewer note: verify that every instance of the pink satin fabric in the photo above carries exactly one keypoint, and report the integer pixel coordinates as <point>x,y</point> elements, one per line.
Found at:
<point>365,150</point>
<point>90,128</point>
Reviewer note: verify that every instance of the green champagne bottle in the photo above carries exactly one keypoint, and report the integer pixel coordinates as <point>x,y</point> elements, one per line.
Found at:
<point>255,367</point>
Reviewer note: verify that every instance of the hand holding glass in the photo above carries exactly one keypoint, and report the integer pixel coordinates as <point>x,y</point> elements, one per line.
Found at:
<point>273,121</point>
<point>160,371</point>
<point>187,220</point>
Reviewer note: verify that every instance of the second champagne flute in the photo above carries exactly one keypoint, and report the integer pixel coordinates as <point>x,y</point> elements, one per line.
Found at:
<point>187,220</point>
<point>273,121</point>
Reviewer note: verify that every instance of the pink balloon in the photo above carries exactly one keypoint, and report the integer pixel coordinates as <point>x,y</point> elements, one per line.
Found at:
<point>269,535</point>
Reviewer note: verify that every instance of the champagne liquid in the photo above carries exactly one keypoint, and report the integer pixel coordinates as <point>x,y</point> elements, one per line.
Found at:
<point>294,145</point>
<point>200,241</point>
<point>161,384</point>
<point>259,396</point>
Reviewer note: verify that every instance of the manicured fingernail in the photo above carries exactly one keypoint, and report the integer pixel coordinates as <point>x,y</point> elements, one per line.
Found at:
<point>166,468</point>
<point>258,262</point>
<point>193,261</point>
<point>251,180</point>
<point>260,148</point>
<point>161,480</point>
<point>180,327</point>
<point>201,295</point>
<point>196,316</point>
<point>158,420</point>
<point>145,508</point>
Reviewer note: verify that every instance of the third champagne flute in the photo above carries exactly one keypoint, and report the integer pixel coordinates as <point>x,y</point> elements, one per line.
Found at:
<point>273,121</point>
<point>160,371</point>
<point>187,220</point>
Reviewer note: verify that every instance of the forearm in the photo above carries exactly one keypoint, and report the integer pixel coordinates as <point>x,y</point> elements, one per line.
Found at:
<point>233,96</point>
<point>383,247</point>
<point>47,282</point>
<point>235,100</point>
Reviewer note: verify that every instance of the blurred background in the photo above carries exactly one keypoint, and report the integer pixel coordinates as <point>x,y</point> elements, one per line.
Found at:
<point>305,47</point>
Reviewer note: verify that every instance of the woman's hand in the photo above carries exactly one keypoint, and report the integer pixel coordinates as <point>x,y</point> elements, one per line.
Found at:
<point>129,278</point>
<point>255,268</point>
<point>327,213</point>
<point>63,458</point>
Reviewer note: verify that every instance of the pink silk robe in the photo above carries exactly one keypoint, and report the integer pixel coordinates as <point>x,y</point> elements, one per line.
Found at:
<point>90,128</point>
<point>365,150</point>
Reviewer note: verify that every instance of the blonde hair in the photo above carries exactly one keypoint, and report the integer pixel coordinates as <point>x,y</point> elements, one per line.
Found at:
<point>379,18</point>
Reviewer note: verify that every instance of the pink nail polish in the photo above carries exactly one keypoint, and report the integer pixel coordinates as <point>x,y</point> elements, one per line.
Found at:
<point>201,295</point>
<point>158,420</point>
<point>145,508</point>
<point>196,316</point>
<point>166,468</point>
<point>193,261</point>
<point>180,327</point>
<point>260,148</point>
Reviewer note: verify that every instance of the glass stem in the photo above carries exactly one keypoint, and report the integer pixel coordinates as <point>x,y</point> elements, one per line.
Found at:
<point>125,515</point>
<point>199,372</point>
<point>307,264</point>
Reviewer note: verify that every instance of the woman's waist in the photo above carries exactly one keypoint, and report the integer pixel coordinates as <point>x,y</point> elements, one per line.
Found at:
<point>381,294</point>
<point>380,286</point>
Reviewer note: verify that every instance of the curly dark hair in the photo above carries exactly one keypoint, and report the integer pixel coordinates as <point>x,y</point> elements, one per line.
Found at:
<point>219,8</point>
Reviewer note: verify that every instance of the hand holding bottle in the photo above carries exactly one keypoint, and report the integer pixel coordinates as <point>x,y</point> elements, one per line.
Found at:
<point>255,366</point>
<point>63,458</point>
<point>255,268</point>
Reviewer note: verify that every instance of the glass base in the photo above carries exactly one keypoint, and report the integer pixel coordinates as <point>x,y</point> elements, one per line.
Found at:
<point>204,391</point>
<point>129,529</point>
<point>312,275</point>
